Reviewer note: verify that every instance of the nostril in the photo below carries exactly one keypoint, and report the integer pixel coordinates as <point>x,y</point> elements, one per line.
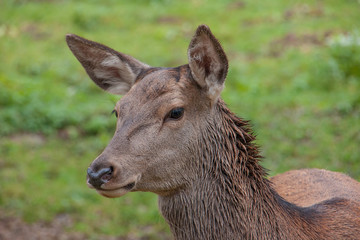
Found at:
<point>107,175</point>
<point>100,177</point>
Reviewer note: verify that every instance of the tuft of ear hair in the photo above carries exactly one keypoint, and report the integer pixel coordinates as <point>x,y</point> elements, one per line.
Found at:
<point>112,71</point>
<point>208,62</point>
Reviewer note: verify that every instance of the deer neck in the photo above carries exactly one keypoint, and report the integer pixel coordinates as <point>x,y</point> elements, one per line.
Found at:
<point>231,199</point>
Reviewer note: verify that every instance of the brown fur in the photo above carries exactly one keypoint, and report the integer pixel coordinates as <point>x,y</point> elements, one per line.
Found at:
<point>236,200</point>
<point>204,165</point>
<point>310,186</point>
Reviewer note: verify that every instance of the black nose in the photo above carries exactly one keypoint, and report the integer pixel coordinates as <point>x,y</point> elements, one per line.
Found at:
<point>100,177</point>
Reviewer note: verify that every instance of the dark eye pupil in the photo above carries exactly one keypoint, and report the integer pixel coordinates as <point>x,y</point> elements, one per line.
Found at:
<point>176,113</point>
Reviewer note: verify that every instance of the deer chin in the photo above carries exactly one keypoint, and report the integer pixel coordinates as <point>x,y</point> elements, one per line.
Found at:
<point>111,191</point>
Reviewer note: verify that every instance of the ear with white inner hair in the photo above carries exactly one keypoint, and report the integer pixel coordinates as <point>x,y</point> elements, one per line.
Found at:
<point>112,71</point>
<point>208,62</point>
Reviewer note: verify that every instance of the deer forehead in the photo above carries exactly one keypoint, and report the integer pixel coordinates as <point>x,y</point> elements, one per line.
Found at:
<point>158,88</point>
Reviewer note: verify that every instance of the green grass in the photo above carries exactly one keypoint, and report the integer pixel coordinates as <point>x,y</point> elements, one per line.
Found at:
<point>50,180</point>
<point>294,72</point>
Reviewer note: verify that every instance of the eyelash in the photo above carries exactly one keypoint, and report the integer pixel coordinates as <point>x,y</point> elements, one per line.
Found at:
<point>115,112</point>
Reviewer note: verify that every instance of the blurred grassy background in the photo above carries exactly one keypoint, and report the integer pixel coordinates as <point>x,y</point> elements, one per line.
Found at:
<point>294,72</point>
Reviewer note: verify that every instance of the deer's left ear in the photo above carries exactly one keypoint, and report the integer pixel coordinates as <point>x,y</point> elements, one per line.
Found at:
<point>208,62</point>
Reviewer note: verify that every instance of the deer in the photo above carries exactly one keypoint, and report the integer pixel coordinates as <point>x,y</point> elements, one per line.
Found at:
<point>177,138</point>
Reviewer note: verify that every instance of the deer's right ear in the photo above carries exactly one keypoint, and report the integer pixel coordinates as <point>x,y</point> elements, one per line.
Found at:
<point>112,71</point>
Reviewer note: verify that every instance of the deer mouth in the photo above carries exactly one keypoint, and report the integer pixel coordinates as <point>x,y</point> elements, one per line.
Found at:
<point>117,191</point>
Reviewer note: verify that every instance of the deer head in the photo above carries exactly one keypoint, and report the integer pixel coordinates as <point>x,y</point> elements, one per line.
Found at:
<point>160,118</point>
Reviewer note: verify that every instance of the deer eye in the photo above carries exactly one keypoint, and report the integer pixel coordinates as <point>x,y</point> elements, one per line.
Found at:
<point>175,114</point>
<point>116,114</point>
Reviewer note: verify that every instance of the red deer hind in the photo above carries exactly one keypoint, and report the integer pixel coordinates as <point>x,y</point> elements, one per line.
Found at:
<point>176,137</point>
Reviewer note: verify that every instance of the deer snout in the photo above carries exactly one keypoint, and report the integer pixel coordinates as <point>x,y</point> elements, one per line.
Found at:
<point>99,177</point>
